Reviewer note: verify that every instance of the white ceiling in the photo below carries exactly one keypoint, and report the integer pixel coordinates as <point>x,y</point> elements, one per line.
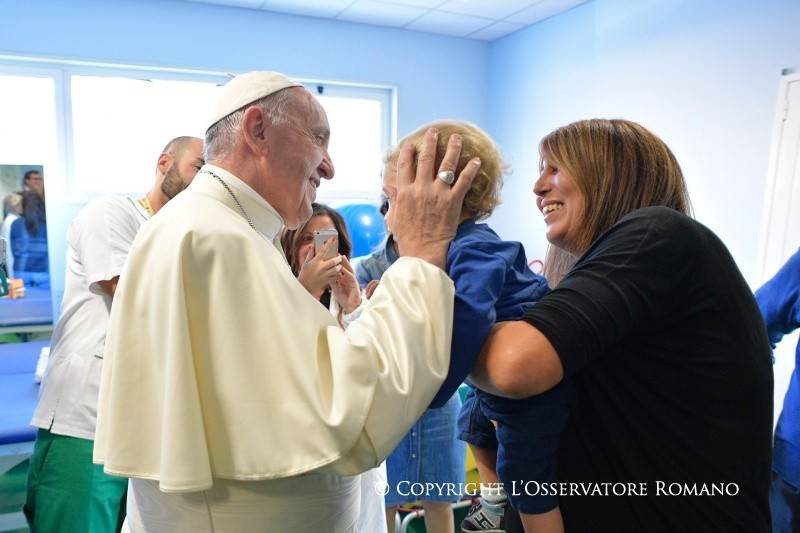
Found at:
<point>474,19</point>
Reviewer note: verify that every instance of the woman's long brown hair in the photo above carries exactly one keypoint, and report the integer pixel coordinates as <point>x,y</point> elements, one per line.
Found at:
<point>619,166</point>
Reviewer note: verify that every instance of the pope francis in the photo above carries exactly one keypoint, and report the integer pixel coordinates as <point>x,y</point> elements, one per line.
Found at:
<point>231,399</point>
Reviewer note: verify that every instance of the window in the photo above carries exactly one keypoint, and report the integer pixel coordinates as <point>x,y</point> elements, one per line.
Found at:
<point>98,128</point>
<point>359,138</point>
<point>120,126</point>
<point>102,126</point>
<point>27,120</point>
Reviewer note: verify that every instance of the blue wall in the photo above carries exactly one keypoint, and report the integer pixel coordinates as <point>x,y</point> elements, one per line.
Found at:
<point>702,74</point>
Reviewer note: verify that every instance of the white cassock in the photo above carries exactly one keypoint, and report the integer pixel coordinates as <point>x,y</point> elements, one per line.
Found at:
<point>232,398</point>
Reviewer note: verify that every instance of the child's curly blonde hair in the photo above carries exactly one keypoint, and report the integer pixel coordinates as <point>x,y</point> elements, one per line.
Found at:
<point>484,194</point>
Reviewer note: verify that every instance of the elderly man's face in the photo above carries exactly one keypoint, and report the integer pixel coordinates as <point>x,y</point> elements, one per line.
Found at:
<point>299,158</point>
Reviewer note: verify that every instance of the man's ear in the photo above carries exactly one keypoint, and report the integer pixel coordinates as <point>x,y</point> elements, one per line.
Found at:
<point>254,129</point>
<point>164,163</point>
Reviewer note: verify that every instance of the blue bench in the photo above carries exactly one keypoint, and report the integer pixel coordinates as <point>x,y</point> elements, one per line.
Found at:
<point>33,313</point>
<point>19,394</point>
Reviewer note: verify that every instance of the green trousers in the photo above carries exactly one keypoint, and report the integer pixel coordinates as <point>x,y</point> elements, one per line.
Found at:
<point>67,492</point>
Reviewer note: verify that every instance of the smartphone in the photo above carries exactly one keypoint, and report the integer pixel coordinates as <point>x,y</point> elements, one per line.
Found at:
<point>321,237</point>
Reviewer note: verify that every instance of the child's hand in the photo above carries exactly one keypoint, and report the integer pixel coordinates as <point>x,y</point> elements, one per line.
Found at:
<point>371,286</point>
<point>345,288</point>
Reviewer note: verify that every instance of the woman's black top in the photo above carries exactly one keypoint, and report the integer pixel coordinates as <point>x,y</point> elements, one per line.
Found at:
<point>662,337</point>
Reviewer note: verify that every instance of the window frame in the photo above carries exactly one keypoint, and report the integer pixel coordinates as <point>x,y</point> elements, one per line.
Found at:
<point>386,97</point>
<point>56,165</point>
<point>61,172</point>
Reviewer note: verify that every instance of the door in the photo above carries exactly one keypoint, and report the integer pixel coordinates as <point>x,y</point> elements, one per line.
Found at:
<point>780,236</point>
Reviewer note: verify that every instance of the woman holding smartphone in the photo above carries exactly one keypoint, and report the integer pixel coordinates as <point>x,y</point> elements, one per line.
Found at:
<point>323,268</point>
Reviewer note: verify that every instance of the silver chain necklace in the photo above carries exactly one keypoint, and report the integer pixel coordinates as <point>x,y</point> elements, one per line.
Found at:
<point>230,192</point>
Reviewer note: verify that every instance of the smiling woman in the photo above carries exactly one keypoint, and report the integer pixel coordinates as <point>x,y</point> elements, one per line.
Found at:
<point>628,168</point>
<point>564,211</point>
<point>657,329</point>
<point>300,253</point>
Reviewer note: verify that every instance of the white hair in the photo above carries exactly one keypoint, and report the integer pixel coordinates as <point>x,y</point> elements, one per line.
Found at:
<point>221,136</point>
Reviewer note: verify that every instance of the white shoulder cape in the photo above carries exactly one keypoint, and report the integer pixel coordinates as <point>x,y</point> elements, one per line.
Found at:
<point>218,363</point>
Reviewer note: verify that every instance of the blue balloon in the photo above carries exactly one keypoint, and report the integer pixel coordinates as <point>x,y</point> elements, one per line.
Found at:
<point>365,226</point>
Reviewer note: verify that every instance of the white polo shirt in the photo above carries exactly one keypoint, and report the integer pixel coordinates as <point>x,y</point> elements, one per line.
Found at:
<point>98,242</point>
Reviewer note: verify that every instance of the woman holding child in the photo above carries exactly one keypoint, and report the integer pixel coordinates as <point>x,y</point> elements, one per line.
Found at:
<point>493,283</point>
<point>655,327</point>
<point>650,332</point>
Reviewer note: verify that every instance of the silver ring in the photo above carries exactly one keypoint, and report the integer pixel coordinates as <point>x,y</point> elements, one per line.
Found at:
<point>447,176</point>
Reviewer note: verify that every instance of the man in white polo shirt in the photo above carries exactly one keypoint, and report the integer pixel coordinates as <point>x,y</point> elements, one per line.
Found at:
<point>66,492</point>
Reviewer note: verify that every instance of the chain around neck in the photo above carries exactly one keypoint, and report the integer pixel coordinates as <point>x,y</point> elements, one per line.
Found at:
<point>145,203</point>
<point>230,192</point>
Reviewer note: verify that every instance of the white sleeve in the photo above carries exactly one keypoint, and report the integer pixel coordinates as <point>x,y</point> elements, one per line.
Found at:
<point>348,318</point>
<point>103,237</point>
<point>407,325</point>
